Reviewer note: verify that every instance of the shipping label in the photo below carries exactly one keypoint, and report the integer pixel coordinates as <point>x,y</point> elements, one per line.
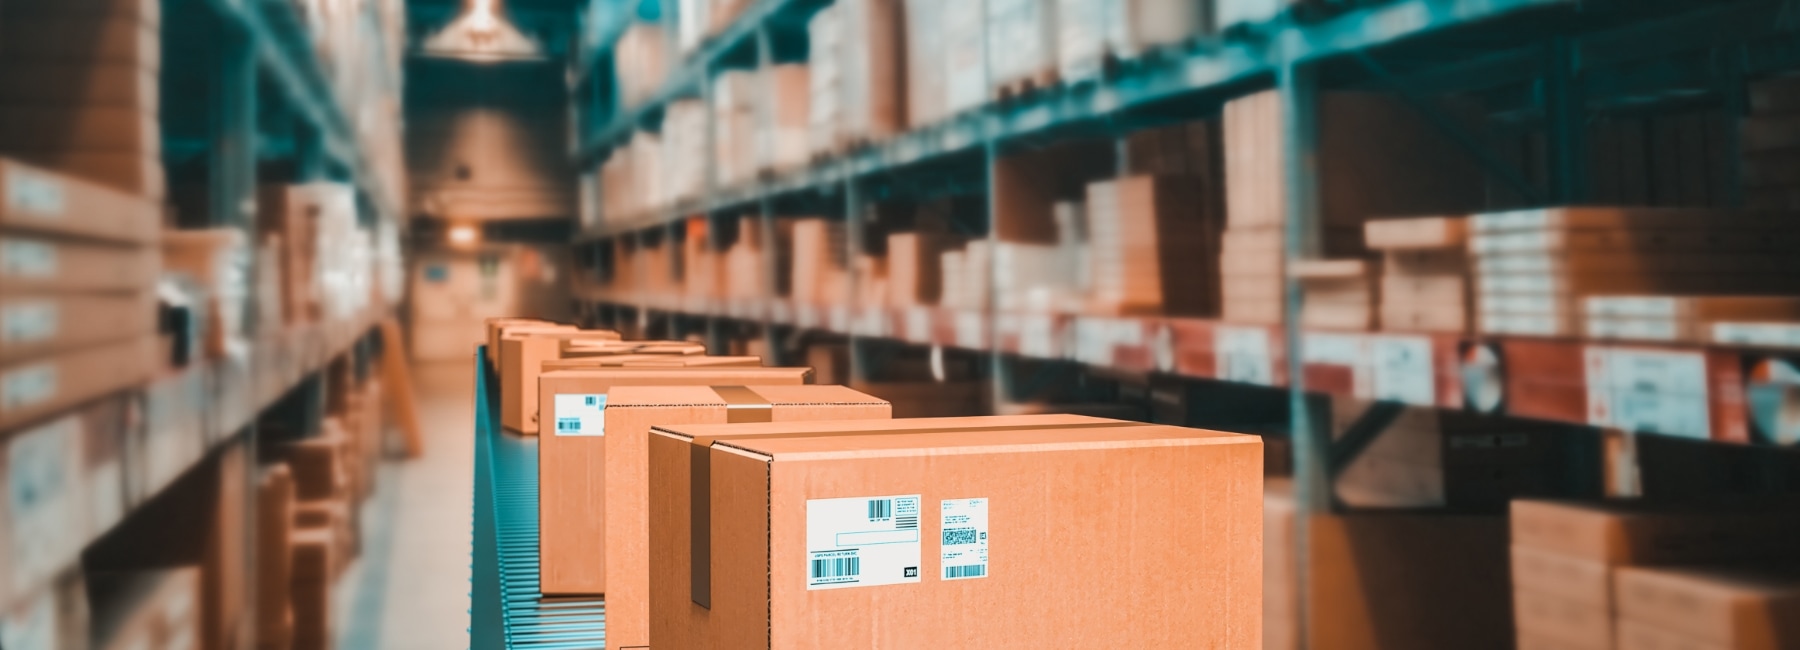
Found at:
<point>34,193</point>
<point>965,549</point>
<point>862,541</point>
<point>28,322</point>
<point>21,258</point>
<point>580,415</point>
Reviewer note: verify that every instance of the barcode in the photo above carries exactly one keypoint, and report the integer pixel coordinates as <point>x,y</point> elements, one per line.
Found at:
<point>568,425</point>
<point>954,536</point>
<point>881,509</point>
<point>968,571</point>
<point>839,567</point>
<point>906,523</point>
<point>591,400</point>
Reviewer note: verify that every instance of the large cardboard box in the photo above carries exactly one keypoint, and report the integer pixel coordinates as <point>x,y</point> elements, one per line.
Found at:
<point>33,263</point>
<point>651,361</point>
<point>522,355</point>
<point>630,412</point>
<point>822,532</point>
<point>1745,608</point>
<point>37,388</point>
<point>572,461</point>
<point>36,325</point>
<point>1621,533</point>
<point>41,201</point>
<point>495,326</point>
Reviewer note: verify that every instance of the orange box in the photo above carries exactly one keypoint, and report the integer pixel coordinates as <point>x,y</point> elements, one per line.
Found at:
<point>522,354</point>
<point>819,532</point>
<point>1743,608</point>
<point>572,461</point>
<point>37,325</point>
<point>32,263</point>
<point>496,325</point>
<point>650,361</point>
<point>631,411</point>
<point>1571,578</point>
<point>37,388</point>
<point>1619,533</point>
<point>604,347</point>
<point>1582,625</point>
<point>42,201</point>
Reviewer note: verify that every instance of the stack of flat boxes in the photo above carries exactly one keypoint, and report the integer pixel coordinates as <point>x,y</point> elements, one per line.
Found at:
<point>1534,267</point>
<point>81,90</point>
<point>1748,608</point>
<point>1366,141</point>
<point>736,127</point>
<point>684,152</point>
<point>78,265</point>
<point>927,63</point>
<point>965,56</point>
<point>819,275</point>
<point>1153,247</point>
<point>700,265</point>
<point>857,74</point>
<point>1424,273</point>
<point>966,275</point>
<point>744,265</point>
<point>1337,294</point>
<point>1570,560</point>
<point>914,268</point>
<point>1090,31</point>
<point>1679,318</point>
<point>1770,140</point>
<point>1022,43</point>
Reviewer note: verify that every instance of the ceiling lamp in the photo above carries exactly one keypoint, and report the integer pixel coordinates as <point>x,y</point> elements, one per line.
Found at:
<point>482,34</point>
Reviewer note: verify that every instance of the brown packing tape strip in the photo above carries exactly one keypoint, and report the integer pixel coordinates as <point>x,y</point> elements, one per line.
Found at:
<point>700,479</point>
<point>742,406</point>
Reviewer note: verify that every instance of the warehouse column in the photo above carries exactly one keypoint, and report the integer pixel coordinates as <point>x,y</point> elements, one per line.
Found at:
<point>853,236</point>
<point>1565,109</point>
<point>1298,86</point>
<point>765,57</point>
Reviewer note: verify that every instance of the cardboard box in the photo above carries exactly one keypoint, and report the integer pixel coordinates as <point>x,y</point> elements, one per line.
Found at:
<point>309,592</point>
<point>783,496</point>
<point>81,128</point>
<point>1569,578</point>
<point>1583,625</point>
<point>522,354</point>
<point>1633,635</point>
<point>274,558</point>
<point>572,461</point>
<point>134,172</point>
<point>497,325</point>
<point>1416,233</point>
<point>33,389</point>
<point>651,361</point>
<point>39,264</point>
<point>914,276</point>
<point>1747,608</point>
<point>1635,533</point>
<point>1154,247</point>
<point>33,326</point>
<point>42,201</point>
<point>630,412</point>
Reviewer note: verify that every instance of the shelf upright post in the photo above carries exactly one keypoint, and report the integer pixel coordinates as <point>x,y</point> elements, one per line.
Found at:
<point>1000,380</point>
<point>1565,108</point>
<point>1737,107</point>
<point>853,237</point>
<point>673,234</point>
<point>771,263</point>
<point>1298,86</point>
<point>711,194</point>
<point>232,181</point>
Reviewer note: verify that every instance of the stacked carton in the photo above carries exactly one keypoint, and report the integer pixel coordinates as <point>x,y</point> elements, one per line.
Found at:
<point>1152,246</point>
<point>81,90</point>
<point>1365,141</point>
<point>700,265</point>
<point>819,274</point>
<point>782,139</point>
<point>966,276</point>
<point>965,56</point>
<point>1424,273</point>
<point>1337,294</point>
<point>324,262</point>
<point>1092,31</point>
<point>927,64</point>
<point>1678,318</point>
<point>641,58</point>
<point>1770,142</point>
<point>914,268</point>
<point>274,559</point>
<point>684,152</point>
<point>1572,561</point>
<point>857,74</point>
<point>745,270</point>
<point>736,94</point>
<point>1739,607</point>
<point>77,268</point>
<point>1534,267</point>
<point>1021,44</point>
<point>631,180</point>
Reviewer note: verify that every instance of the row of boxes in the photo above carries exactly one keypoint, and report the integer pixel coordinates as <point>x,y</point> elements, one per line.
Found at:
<point>672,473</point>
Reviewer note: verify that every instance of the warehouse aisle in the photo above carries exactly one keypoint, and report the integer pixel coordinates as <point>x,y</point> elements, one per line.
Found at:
<point>426,603</point>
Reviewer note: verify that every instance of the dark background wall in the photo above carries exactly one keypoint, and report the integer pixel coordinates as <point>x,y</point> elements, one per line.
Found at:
<point>488,141</point>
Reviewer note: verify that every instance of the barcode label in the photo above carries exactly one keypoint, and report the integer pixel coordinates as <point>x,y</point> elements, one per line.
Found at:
<point>27,259</point>
<point>862,541</point>
<point>580,415</point>
<point>970,571</point>
<point>837,567</point>
<point>965,548</point>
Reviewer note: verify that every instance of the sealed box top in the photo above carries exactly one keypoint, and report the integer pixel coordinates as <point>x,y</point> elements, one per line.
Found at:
<point>779,395</point>
<point>577,346</point>
<point>650,361</point>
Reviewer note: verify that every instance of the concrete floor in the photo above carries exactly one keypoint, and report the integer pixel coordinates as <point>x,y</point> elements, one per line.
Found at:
<point>411,591</point>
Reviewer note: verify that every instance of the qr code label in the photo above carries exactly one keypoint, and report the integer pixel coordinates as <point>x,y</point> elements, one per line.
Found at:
<point>965,548</point>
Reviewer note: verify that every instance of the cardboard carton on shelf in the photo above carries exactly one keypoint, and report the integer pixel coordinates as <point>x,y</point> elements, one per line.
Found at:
<point>309,590</point>
<point>274,558</point>
<point>630,413</point>
<point>36,325</point>
<point>522,354</point>
<point>1749,608</point>
<point>46,202</point>
<point>33,263</point>
<point>495,326</point>
<point>572,461</point>
<point>792,508</point>
<point>39,387</point>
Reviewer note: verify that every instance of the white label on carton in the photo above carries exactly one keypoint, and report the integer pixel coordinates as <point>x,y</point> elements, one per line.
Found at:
<point>1649,391</point>
<point>1403,370</point>
<point>39,500</point>
<point>862,541</point>
<point>581,415</point>
<point>23,258</point>
<point>27,386</point>
<point>965,552</point>
<point>1767,334</point>
<point>27,322</point>
<point>1243,355</point>
<point>29,192</point>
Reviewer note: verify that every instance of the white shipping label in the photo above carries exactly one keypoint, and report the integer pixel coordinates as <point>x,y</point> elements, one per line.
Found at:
<point>1403,370</point>
<point>965,551</point>
<point>1769,334</point>
<point>28,322</point>
<point>22,258</point>
<point>862,541</point>
<point>1649,391</point>
<point>1242,355</point>
<point>29,192</point>
<point>27,386</point>
<point>581,415</point>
